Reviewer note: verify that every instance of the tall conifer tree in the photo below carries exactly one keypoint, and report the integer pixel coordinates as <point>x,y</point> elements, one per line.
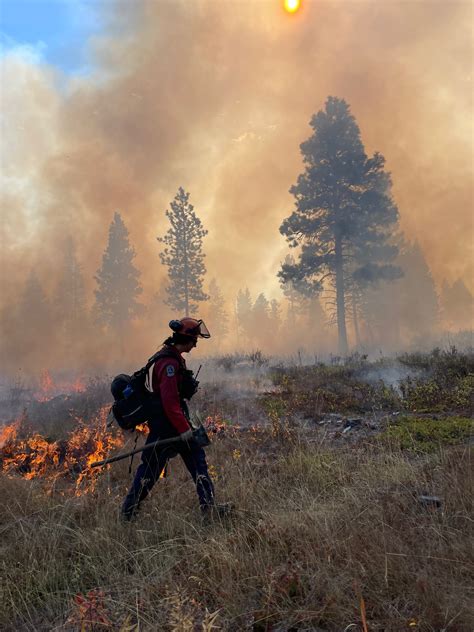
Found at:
<point>344,212</point>
<point>262,332</point>
<point>275,318</point>
<point>243,313</point>
<point>69,298</point>
<point>118,281</point>
<point>406,312</point>
<point>261,314</point>
<point>219,319</point>
<point>183,255</point>
<point>419,301</point>
<point>35,320</point>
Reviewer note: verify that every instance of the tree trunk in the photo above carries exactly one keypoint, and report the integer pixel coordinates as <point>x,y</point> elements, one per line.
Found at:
<point>186,272</point>
<point>356,321</point>
<point>340,300</point>
<point>186,299</point>
<point>292,319</point>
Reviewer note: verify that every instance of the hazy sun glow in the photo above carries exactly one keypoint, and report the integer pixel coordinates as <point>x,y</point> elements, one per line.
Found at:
<point>292,5</point>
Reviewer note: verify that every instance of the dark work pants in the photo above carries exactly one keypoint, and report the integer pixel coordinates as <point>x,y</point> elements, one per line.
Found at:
<point>154,462</point>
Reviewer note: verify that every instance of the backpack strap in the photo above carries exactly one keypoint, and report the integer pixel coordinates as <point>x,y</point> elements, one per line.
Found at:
<point>163,353</point>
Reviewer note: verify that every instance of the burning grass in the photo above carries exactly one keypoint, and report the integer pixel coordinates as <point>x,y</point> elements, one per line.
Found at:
<point>31,455</point>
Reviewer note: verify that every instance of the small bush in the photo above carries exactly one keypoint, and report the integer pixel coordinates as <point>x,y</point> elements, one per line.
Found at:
<point>435,394</point>
<point>229,361</point>
<point>445,381</point>
<point>445,366</point>
<point>258,359</point>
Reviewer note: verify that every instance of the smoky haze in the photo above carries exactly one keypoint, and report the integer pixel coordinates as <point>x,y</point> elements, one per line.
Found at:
<point>216,97</point>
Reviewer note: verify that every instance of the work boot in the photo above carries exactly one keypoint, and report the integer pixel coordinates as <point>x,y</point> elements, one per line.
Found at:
<point>217,511</point>
<point>129,510</point>
<point>127,516</point>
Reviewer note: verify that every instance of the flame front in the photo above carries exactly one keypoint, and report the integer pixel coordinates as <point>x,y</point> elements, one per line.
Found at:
<point>49,387</point>
<point>34,456</point>
<point>46,386</point>
<point>8,434</point>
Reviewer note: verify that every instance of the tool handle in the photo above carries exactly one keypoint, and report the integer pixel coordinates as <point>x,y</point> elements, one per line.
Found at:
<point>119,457</point>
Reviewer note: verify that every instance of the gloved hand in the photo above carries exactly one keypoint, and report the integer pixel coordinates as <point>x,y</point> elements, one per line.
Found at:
<point>186,436</point>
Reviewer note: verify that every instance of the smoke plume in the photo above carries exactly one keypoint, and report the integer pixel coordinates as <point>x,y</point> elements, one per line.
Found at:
<point>216,97</point>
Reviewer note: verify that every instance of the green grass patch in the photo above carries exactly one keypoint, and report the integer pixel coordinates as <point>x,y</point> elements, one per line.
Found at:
<point>428,434</point>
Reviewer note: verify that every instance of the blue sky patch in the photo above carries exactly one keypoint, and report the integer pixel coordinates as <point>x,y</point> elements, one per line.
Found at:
<point>58,30</point>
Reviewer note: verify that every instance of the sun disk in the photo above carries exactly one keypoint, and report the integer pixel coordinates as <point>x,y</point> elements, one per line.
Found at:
<point>292,5</point>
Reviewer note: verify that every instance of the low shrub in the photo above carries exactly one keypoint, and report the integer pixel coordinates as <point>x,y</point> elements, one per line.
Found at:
<point>313,391</point>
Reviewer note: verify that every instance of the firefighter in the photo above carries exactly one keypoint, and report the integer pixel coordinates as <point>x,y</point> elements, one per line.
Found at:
<point>171,385</point>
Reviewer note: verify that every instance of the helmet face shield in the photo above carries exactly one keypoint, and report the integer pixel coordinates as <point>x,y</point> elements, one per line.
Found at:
<point>203,330</point>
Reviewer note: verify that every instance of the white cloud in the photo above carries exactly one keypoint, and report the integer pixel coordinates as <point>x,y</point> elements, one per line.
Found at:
<point>31,53</point>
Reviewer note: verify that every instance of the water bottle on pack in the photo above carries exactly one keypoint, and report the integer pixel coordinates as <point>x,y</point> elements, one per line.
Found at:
<point>127,391</point>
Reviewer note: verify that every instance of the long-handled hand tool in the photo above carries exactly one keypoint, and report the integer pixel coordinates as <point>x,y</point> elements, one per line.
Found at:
<point>147,446</point>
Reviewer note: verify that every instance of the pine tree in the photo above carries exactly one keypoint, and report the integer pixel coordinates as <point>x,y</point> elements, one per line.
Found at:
<point>261,314</point>
<point>261,325</point>
<point>275,317</point>
<point>218,319</point>
<point>344,212</point>
<point>183,255</point>
<point>243,313</point>
<point>36,321</point>
<point>354,293</point>
<point>118,281</point>
<point>407,311</point>
<point>419,313</point>
<point>35,309</point>
<point>69,298</point>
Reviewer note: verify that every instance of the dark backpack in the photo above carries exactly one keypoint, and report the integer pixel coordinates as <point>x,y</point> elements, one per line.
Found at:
<point>132,398</point>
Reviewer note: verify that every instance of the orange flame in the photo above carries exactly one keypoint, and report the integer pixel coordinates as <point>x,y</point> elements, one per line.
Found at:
<point>9,433</point>
<point>78,386</point>
<point>34,456</point>
<point>218,426</point>
<point>46,386</point>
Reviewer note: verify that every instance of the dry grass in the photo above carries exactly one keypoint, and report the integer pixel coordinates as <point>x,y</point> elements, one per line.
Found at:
<point>322,540</point>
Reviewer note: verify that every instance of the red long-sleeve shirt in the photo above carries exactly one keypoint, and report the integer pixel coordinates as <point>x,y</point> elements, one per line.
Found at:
<point>166,380</point>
